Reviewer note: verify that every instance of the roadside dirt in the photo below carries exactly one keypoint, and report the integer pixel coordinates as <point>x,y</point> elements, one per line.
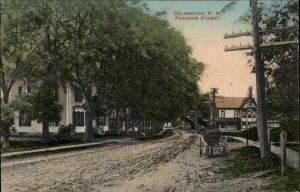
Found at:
<point>171,164</point>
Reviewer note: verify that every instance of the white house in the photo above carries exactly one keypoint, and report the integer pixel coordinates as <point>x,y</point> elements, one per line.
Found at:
<point>73,112</point>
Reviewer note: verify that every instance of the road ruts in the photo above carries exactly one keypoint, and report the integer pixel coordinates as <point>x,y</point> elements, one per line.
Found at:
<point>88,169</point>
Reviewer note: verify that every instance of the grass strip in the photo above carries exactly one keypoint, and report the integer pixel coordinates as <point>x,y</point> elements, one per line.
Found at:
<point>31,145</point>
<point>247,160</point>
<point>56,151</point>
<point>161,135</point>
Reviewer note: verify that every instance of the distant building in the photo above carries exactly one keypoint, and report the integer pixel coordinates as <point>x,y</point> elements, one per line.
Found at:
<point>237,114</point>
<point>234,113</point>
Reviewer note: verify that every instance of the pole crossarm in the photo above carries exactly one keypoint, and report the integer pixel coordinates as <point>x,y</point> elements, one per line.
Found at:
<point>245,47</point>
<point>249,33</point>
<point>238,48</point>
<point>240,34</point>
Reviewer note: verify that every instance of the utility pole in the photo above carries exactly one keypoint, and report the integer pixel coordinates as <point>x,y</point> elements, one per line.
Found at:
<point>257,47</point>
<point>265,150</point>
<point>214,91</point>
<point>247,123</point>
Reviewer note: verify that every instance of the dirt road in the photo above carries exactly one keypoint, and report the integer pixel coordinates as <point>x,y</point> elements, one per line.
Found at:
<point>171,164</point>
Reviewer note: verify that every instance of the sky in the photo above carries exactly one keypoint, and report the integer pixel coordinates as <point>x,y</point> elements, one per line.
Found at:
<point>227,71</point>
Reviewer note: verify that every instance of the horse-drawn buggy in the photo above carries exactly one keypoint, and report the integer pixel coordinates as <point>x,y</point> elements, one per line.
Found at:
<point>213,139</point>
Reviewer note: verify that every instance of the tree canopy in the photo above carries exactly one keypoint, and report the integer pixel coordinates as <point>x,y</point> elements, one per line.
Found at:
<point>137,62</point>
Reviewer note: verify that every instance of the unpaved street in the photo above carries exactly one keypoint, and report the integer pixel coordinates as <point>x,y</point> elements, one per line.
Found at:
<point>171,164</point>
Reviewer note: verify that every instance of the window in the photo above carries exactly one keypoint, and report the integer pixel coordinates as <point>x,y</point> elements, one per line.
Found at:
<point>244,114</point>
<point>244,125</point>
<point>24,90</point>
<point>20,90</point>
<point>236,114</point>
<point>78,95</point>
<point>249,104</point>
<point>100,121</point>
<point>249,114</point>
<point>78,118</point>
<point>53,123</point>
<point>24,119</point>
<point>254,114</point>
<point>222,114</point>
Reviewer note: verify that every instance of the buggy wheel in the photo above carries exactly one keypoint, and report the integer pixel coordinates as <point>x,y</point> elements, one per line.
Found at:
<point>201,147</point>
<point>225,145</point>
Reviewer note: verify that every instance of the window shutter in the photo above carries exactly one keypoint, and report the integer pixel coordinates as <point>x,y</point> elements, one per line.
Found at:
<point>81,118</point>
<point>74,118</point>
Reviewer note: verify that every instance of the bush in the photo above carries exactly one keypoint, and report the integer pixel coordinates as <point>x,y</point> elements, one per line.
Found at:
<point>250,133</point>
<point>65,130</point>
<point>274,133</point>
<point>291,127</point>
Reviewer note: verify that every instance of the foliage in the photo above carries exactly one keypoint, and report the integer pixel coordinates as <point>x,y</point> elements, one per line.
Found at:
<point>140,66</point>
<point>46,105</point>
<point>7,117</point>
<point>41,103</point>
<point>21,103</point>
<point>281,62</point>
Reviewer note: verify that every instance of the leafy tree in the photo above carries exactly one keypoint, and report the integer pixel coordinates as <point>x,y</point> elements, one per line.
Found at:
<point>15,50</point>
<point>153,75</point>
<point>43,20</point>
<point>27,58</point>
<point>281,62</point>
<point>46,107</point>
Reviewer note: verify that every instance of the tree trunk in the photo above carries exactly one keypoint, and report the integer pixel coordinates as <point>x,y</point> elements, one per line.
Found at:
<point>5,97</point>
<point>45,131</point>
<point>139,127</point>
<point>5,132</point>
<point>88,134</point>
<point>118,122</point>
<point>126,124</point>
<point>89,114</point>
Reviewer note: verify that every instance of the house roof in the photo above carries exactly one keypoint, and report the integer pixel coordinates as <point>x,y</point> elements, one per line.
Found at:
<point>230,102</point>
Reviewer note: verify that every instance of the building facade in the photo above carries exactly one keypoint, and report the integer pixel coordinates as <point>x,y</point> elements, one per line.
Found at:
<point>72,100</point>
<point>234,113</point>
